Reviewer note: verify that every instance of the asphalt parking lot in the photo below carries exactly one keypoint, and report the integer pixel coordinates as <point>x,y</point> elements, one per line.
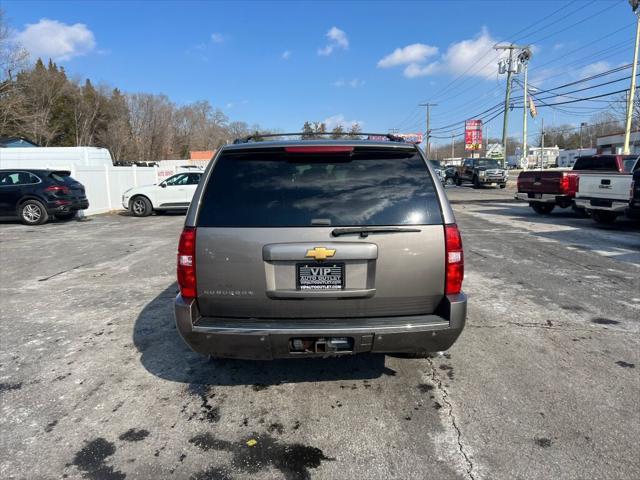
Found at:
<point>543,383</point>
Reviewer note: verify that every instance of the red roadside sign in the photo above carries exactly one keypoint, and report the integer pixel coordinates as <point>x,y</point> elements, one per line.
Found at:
<point>473,135</point>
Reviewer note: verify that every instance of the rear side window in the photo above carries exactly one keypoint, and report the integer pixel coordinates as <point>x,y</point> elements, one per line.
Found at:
<point>17,178</point>
<point>628,165</point>
<point>604,162</point>
<point>277,189</point>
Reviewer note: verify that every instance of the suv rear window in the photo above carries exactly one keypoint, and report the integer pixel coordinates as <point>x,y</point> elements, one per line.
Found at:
<point>272,188</point>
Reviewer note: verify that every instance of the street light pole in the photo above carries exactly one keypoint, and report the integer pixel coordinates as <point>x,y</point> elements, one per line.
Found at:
<point>627,131</point>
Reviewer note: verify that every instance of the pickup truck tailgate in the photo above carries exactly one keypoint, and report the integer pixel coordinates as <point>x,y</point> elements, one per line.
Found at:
<point>541,182</point>
<point>613,186</point>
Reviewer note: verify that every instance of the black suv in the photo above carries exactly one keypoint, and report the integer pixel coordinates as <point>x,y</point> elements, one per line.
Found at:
<point>34,195</point>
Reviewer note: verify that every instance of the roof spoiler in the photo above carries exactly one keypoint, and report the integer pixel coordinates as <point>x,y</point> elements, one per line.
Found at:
<point>258,137</point>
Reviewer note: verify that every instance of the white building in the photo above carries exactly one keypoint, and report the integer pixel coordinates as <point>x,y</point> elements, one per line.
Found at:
<point>614,143</point>
<point>566,158</point>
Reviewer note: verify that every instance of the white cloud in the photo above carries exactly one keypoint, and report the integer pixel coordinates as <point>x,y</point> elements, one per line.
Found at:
<point>337,39</point>
<point>415,70</point>
<point>462,55</point>
<point>217,37</point>
<point>594,69</point>
<point>471,57</point>
<point>415,53</point>
<point>56,40</point>
<point>353,83</point>
<point>335,120</point>
<point>286,55</point>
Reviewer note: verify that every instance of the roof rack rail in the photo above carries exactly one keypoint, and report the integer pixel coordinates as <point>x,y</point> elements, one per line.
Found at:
<point>312,136</point>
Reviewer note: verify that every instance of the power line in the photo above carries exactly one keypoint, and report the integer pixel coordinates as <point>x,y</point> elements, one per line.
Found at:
<point>599,75</point>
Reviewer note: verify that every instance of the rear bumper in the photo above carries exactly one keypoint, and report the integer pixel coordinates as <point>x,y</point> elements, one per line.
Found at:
<point>67,205</point>
<point>602,204</point>
<point>543,198</point>
<point>268,339</point>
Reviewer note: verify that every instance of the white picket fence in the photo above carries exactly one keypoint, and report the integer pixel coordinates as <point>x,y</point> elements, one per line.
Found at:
<point>105,185</point>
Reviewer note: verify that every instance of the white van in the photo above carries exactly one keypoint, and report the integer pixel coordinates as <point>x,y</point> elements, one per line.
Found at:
<point>54,157</point>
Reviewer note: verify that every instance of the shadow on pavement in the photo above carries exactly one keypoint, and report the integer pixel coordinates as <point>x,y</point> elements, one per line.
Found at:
<point>165,355</point>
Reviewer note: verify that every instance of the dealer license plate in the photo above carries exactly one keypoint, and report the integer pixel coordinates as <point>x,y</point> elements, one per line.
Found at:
<point>320,276</point>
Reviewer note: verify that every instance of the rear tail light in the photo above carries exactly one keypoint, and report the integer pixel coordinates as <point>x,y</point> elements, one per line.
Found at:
<point>564,183</point>
<point>187,263</point>
<point>58,189</point>
<point>454,260</point>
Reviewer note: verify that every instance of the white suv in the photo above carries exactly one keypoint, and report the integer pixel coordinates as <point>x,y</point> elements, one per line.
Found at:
<point>174,193</point>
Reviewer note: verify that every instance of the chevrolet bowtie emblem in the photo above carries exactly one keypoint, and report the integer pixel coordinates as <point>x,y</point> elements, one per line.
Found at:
<point>321,253</point>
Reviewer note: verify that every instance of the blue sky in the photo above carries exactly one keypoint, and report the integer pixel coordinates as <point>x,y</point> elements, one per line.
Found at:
<point>281,63</point>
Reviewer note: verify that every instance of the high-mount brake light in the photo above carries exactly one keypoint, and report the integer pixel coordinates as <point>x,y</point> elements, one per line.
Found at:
<point>319,149</point>
<point>187,263</point>
<point>454,262</point>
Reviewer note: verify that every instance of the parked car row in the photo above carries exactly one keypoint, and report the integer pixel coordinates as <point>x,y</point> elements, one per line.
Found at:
<point>34,196</point>
<point>598,185</point>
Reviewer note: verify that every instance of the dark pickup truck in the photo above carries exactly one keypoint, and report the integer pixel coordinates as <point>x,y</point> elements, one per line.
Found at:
<point>634,201</point>
<point>546,189</point>
<point>481,171</point>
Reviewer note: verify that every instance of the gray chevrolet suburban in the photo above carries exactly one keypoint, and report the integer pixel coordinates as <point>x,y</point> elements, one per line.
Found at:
<point>319,248</point>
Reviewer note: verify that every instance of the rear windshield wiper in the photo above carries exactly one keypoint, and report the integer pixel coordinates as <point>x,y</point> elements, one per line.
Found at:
<point>365,231</point>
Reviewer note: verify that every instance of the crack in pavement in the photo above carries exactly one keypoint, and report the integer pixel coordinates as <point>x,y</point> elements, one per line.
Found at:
<point>547,327</point>
<point>445,399</point>
<point>64,271</point>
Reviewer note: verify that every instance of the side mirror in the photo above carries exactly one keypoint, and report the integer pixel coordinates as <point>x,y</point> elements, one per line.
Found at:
<point>163,185</point>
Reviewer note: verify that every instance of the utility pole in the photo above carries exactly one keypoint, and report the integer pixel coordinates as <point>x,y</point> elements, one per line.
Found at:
<point>428,105</point>
<point>508,68</point>
<point>452,146</point>
<point>524,58</point>
<point>627,131</point>
<point>542,144</point>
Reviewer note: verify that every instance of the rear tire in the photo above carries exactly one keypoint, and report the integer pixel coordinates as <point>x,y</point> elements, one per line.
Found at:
<point>33,212</point>
<point>476,182</point>
<point>140,206</point>
<point>458,181</point>
<point>542,208</point>
<point>66,215</point>
<point>603,217</point>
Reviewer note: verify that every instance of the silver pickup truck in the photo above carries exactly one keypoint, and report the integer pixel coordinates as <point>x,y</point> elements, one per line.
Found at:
<point>605,196</point>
